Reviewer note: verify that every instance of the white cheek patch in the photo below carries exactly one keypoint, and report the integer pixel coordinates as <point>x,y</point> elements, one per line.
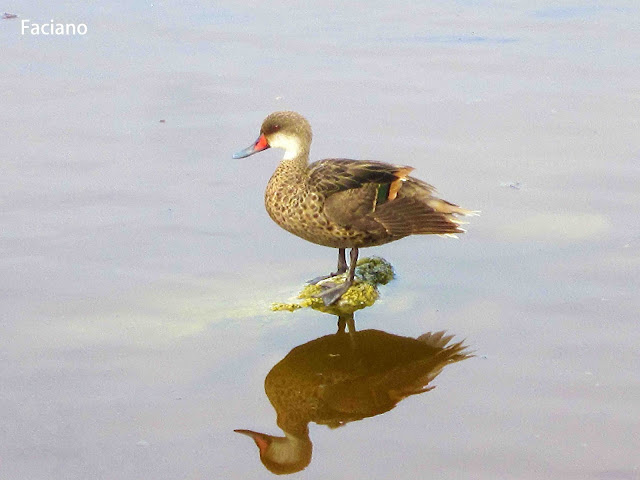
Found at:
<point>289,143</point>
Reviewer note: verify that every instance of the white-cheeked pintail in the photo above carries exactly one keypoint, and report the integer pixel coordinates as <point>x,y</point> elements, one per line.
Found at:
<point>344,203</point>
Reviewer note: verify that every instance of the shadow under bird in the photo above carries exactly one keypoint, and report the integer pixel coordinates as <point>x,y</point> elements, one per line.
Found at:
<point>343,203</point>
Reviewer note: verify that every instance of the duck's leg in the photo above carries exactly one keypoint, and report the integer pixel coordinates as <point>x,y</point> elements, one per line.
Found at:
<point>350,324</point>
<point>342,262</point>
<point>334,293</point>
<point>342,267</point>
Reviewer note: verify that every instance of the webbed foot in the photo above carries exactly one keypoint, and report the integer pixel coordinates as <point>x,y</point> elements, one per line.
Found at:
<point>316,280</point>
<point>333,294</point>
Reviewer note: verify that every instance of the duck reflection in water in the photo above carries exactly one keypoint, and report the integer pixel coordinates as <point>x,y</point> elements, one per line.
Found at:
<point>344,377</point>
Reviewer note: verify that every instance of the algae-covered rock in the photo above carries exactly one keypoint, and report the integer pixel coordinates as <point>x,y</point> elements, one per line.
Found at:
<point>370,273</point>
<point>375,271</point>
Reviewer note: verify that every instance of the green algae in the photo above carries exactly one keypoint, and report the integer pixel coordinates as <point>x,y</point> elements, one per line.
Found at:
<point>370,273</point>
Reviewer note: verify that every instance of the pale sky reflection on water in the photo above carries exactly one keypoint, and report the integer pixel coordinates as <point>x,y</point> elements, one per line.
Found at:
<point>138,263</point>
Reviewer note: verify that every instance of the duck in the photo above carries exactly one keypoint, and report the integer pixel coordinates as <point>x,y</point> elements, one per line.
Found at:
<point>343,203</point>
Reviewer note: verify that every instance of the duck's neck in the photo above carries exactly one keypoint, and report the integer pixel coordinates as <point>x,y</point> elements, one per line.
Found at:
<point>298,151</point>
<point>293,166</point>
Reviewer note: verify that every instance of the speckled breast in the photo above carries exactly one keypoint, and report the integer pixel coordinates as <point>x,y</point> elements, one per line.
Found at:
<point>300,211</point>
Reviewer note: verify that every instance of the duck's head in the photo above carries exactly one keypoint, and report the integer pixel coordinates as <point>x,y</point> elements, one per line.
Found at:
<point>282,455</point>
<point>287,130</point>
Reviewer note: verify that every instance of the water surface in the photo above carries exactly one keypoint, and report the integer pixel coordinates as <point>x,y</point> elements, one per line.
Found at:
<point>138,263</point>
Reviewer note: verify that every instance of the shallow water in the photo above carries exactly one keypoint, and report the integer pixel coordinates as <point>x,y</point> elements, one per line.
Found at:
<point>138,264</point>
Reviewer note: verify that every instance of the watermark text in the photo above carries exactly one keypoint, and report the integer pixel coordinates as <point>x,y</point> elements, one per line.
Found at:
<point>52,28</point>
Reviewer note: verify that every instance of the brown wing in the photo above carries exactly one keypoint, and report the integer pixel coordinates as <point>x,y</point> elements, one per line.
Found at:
<point>353,207</point>
<point>409,216</point>
<point>338,174</point>
<point>352,188</point>
<point>382,199</point>
<point>416,210</point>
<point>410,207</point>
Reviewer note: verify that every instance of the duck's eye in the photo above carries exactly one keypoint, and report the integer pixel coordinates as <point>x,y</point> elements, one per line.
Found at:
<point>272,129</point>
